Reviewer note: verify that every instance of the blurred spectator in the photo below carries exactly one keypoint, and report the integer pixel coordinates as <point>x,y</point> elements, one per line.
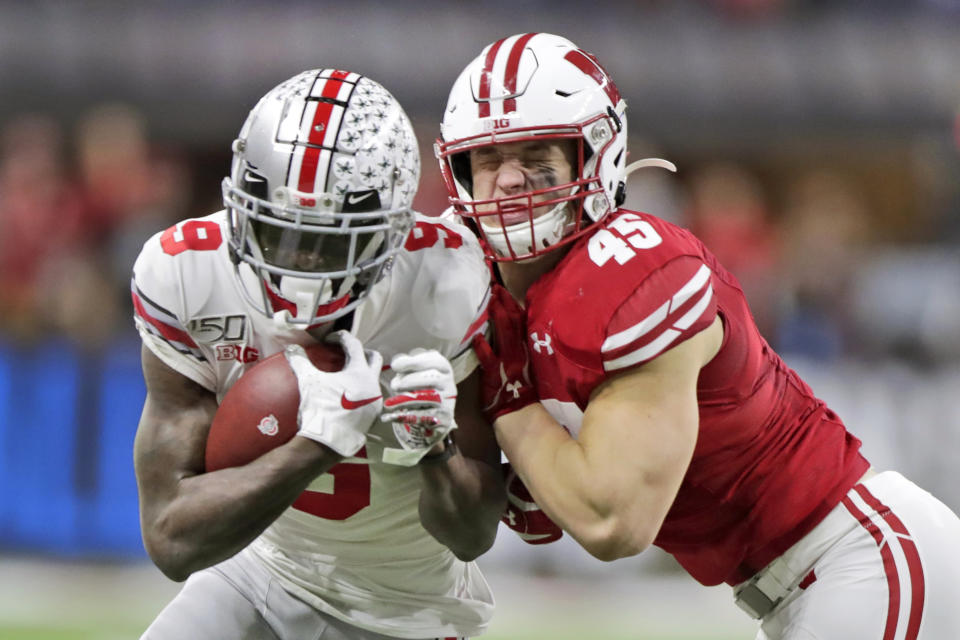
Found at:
<point>116,169</point>
<point>69,242</point>
<point>128,193</point>
<point>130,190</point>
<point>729,213</point>
<point>825,225</point>
<point>42,218</point>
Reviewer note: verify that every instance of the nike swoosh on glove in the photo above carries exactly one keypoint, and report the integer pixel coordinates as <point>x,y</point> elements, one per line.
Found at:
<point>338,408</point>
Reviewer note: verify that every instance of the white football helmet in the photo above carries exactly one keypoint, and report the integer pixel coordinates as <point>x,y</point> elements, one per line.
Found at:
<point>535,86</point>
<point>324,173</point>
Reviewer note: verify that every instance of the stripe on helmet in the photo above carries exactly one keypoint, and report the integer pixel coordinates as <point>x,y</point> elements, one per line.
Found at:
<point>317,132</point>
<point>321,120</point>
<point>510,74</point>
<point>589,65</point>
<point>483,94</point>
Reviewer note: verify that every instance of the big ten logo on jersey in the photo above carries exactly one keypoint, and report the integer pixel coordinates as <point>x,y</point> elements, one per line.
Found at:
<point>225,330</point>
<point>429,234</point>
<point>621,238</point>
<point>238,352</point>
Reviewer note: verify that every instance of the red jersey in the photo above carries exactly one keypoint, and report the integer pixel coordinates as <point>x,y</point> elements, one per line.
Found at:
<point>771,459</point>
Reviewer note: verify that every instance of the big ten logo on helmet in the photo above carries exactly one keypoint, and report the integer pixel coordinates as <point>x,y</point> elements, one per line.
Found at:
<point>496,123</point>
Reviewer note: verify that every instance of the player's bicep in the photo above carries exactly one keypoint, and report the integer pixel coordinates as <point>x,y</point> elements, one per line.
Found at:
<point>171,436</point>
<point>644,422</point>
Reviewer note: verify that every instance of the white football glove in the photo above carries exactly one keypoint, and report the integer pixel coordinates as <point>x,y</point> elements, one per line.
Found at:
<point>338,408</point>
<point>421,409</point>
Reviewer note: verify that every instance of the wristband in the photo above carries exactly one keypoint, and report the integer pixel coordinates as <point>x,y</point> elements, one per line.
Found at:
<point>449,449</point>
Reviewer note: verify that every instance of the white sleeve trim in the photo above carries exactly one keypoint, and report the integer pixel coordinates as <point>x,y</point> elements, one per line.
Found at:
<point>646,352</point>
<point>625,337</point>
<point>665,339</point>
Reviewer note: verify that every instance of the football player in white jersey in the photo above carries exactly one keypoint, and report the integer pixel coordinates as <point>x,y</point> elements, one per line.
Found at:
<point>364,525</point>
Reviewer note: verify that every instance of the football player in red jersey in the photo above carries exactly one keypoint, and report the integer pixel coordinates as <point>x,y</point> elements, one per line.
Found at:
<point>657,413</point>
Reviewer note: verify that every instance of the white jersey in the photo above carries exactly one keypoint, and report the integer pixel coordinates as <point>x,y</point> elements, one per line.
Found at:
<point>351,545</point>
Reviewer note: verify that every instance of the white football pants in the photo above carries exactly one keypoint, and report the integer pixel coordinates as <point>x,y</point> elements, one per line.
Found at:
<point>883,565</point>
<point>239,600</point>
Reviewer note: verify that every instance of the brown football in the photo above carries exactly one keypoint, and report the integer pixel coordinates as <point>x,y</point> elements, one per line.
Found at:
<point>259,412</point>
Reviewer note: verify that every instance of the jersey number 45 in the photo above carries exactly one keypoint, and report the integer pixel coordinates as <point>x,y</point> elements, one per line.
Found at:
<point>621,239</point>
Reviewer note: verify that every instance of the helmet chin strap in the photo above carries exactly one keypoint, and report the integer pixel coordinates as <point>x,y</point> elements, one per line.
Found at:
<point>306,293</point>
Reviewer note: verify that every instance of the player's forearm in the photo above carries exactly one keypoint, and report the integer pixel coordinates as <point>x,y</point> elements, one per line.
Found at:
<point>581,493</point>
<point>215,515</point>
<point>461,500</point>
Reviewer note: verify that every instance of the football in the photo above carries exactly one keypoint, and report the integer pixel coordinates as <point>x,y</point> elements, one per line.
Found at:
<point>259,412</point>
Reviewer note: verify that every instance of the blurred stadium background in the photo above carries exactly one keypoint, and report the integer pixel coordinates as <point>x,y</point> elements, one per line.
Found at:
<point>817,145</point>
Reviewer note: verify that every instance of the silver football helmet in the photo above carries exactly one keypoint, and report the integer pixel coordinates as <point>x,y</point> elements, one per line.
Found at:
<point>324,173</point>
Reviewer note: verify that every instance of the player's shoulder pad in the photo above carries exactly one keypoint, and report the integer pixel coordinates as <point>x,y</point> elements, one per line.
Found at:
<point>634,242</point>
<point>631,281</point>
<point>670,305</point>
<point>444,272</point>
<point>437,244</point>
<point>444,231</point>
<point>175,264</point>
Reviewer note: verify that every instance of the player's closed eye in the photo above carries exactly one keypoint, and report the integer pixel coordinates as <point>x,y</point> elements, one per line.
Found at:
<point>485,159</point>
<point>541,176</point>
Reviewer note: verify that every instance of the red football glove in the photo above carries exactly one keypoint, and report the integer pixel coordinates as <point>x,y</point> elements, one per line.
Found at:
<point>506,385</point>
<point>522,513</point>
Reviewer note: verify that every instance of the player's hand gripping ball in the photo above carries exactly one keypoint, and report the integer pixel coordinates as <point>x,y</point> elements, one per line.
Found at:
<point>259,412</point>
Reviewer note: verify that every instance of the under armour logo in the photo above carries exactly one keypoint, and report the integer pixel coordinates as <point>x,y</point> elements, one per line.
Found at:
<point>514,388</point>
<point>544,343</point>
<point>510,517</point>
